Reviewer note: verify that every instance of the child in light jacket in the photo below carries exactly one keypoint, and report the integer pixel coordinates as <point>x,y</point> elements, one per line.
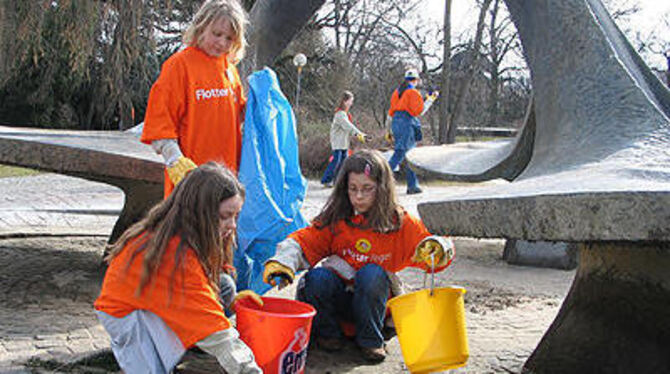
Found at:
<point>341,129</point>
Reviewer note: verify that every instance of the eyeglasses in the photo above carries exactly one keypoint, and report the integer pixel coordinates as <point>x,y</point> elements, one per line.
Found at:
<point>365,191</point>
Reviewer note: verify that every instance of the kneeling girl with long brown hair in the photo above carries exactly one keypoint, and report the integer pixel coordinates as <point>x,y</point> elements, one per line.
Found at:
<point>161,292</point>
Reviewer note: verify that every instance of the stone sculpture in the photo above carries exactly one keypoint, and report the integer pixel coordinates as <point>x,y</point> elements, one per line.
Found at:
<point>599,175</point>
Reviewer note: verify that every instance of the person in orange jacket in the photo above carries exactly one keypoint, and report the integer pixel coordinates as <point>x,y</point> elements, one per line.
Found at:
<point>161,294</point>
<point>363,237</point>
<point>407,106</point>
<point>196,105</point>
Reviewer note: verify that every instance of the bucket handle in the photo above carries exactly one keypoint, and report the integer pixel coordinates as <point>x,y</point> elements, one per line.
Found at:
<point>432,274</point>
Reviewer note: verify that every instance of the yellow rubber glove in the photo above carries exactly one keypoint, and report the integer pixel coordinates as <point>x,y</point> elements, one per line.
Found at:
<point>389,137</point>
<point>361,137</point>
<point>178,170</point>
<point>433,96</point>
<point>248,293</point>
<point>275,269</point>
<point>442,248</point>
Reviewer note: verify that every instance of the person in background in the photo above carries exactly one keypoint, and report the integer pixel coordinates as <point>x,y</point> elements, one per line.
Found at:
<point>340,129</point>
<point>406,108</point>
<point>161,294</point>
<point>363,237</point>
<point>195,108</point>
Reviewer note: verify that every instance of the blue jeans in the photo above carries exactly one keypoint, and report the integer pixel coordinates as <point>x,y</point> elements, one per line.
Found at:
<point>397,158</point>
<point>334,166</point>
<point>365,306</point>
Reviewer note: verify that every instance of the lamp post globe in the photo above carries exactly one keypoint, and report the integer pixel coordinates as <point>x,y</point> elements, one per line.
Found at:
<point>299,60</point>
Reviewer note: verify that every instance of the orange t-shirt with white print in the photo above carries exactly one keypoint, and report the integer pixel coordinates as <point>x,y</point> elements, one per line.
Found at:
<point>410,102</point>
<point>392,251</point>
<point>198,100</point>
<point>192,311</point>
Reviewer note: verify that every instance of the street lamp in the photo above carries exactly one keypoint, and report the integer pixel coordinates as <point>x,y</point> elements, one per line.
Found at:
<point>299,61</point>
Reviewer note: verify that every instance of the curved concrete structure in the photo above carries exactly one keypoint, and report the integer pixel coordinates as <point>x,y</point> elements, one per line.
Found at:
<point>599,175</point>
<point>477,161</point>
<point>109,157</point>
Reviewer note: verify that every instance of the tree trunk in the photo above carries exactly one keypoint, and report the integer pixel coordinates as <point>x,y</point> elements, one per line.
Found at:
<point>444,128</point>
<point>467,80</point>
<point>494,70</point>
<point>3,24</point>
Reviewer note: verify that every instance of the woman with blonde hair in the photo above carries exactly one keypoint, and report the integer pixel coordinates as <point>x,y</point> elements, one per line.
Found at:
<point>196,106</point>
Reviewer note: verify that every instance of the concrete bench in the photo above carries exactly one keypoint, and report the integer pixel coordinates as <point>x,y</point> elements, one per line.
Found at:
<point>598,175</point>
<point>109,157</point>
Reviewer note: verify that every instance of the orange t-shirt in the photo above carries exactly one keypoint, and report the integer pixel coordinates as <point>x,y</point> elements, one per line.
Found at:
<point>410,102</point>
<point>193,312</point>
<point>198,100</point>
<point>358,247</point>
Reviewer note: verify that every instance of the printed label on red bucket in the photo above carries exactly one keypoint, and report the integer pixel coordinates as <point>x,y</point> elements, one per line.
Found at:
<point>292,360</point>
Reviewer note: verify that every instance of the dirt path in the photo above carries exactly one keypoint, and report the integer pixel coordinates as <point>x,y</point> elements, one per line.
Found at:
<point>47,286</point>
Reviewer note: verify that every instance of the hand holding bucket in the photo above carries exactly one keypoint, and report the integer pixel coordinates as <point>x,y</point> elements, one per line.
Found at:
<point>435,251</point>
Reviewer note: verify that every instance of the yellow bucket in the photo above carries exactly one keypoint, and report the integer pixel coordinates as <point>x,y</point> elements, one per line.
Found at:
<point>431,329</point>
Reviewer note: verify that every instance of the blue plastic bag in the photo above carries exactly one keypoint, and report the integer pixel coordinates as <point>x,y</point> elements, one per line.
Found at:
<point>270,172</point>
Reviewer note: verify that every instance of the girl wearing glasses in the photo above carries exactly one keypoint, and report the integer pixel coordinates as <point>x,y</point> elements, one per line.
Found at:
<point>364,237</point>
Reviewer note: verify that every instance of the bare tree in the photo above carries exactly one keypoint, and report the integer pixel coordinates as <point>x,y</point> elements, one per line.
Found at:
<point>502,40</point>
<point>445,115</point>
<point>473,67</point>
<point>377,40</point>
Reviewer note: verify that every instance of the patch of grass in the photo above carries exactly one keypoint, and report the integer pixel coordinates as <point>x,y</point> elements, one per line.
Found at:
<point>13,171</point>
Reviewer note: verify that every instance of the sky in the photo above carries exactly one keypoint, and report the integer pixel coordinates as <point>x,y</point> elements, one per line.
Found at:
<point>464,17</point>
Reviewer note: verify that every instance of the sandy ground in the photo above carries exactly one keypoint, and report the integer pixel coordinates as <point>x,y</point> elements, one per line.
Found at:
<point>47,286</point>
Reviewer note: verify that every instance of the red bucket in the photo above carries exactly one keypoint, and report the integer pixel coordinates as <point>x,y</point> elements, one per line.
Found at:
<point>277,333</point>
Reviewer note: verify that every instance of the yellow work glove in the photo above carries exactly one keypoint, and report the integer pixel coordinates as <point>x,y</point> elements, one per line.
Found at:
<point>389,137</point>
<point>274,270</point>
<point>439,248</point>
<point>178,170</point>
<point>433,95</point>
<point>361,137</point>
<point>248,293</point>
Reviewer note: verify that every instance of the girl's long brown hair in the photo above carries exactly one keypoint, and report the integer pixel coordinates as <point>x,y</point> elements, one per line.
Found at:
<point>346,95</point>
<point>385,215</point>
<point>191,211</point>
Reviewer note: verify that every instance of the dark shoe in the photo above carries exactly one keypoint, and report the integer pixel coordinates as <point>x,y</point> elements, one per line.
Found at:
<point>415,190</point>
<point>388,333</point>
<point>327,184</point>
<point>373,354</point>
<point>329,344</point>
